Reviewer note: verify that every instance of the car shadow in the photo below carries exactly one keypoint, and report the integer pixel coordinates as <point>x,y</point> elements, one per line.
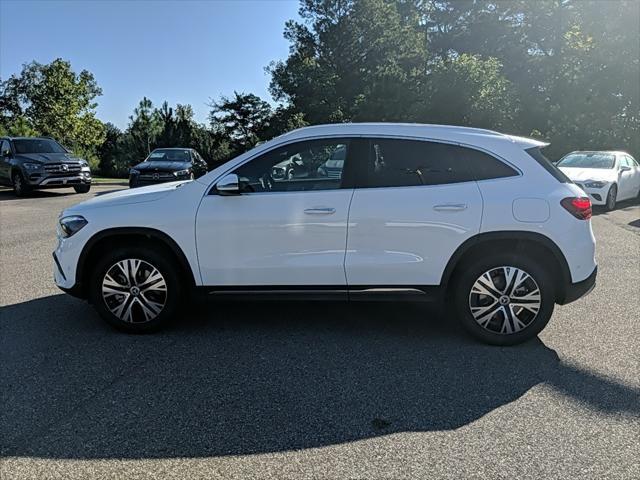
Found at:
<point>6,194</point>
<point>624,205</point>
<point>243,378</point>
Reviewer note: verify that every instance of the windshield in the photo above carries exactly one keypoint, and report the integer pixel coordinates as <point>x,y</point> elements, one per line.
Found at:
<point>169,155</point>
<point>37,145</point>
<point>588,160</point>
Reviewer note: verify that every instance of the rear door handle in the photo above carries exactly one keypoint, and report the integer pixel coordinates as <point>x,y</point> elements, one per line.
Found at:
<point>320,211</point>
<point>450,207</point>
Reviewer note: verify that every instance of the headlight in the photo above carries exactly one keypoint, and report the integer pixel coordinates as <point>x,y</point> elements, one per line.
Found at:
<point>71,225</point>
<point>32,166</point>
<point>182,173</point>
<point>595,184</point>
<point>84,163</point>
<point>133,171</point>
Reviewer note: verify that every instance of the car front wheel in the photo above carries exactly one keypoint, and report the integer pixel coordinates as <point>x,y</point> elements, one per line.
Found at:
<point>136,290</point>
<point>82,188</point>
<point>20,188</point>
<point>611,198</point>
<point>504,299</point>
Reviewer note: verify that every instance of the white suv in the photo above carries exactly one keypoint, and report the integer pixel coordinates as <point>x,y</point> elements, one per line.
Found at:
<point>417,212</point>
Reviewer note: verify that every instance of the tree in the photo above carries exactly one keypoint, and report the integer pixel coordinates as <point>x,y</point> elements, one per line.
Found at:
<point>145,125</point>
<point>51,99</point>
<point>352,60</point>
<point>244,118</point>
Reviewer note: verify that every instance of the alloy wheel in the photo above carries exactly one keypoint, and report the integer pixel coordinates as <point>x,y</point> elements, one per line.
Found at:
<point>505,300</point>
<point>134,290</point>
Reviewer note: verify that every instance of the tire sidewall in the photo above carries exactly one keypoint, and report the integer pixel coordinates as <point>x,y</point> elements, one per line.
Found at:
<point>168,270</point>
<point>614,188</point>
<point>24,189</point>
<point>472,271</point>
<point>82,188</point>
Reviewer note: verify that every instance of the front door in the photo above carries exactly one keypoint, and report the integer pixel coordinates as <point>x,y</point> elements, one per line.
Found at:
<point>288,227</point>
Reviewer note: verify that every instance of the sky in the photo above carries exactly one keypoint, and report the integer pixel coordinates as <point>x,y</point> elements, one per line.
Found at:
<point>179,51</point>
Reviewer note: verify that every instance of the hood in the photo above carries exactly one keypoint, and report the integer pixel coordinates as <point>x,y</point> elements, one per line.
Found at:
<point>48,157</point>
<point>162,166</point>
<point>582,174</point>
<point>128,197</point>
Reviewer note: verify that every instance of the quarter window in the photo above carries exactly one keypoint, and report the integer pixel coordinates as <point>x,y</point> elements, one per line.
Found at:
<point>302,166</point>
<point>401,163</point>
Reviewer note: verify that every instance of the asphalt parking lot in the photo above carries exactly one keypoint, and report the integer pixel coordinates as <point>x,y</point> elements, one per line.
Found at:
<point>303,390</point>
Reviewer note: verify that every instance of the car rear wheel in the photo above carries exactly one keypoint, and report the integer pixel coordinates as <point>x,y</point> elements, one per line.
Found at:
<point>611,198</point>
<point>82,188</point>
<point>135,290</point>
<point>504,299</point>
<point>20,188</point>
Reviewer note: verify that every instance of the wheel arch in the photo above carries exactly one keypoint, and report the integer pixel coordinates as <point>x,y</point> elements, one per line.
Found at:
<point>126,236</point>
<point>517,242</point>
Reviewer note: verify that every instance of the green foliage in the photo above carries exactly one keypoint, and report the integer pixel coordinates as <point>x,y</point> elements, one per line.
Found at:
<point>566,71</point>
<point>53,100</point>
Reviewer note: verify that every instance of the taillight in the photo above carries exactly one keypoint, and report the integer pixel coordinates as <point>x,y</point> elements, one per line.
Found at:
<point>579,207</point>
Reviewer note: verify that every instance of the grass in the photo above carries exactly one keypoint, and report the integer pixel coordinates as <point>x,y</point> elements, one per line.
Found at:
<point>97,179</point>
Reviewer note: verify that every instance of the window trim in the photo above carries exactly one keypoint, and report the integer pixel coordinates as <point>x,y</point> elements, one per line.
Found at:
<point>211,190</point>
<point>361,178</point>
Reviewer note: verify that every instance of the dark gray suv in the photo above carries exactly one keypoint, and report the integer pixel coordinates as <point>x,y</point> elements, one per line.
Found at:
<point>28,163</point>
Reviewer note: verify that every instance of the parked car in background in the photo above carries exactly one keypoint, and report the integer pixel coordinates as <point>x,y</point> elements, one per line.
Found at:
<point>607,177</point>
<point>475,218</point>
<point>29,163</point>
<point>168,165</point>
<point>333,167</point>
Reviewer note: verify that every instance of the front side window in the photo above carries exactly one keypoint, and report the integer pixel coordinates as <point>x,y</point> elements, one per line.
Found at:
<point>37,145</point>
<point>302,166</point>
<point>402,163</point>
<point>4,147</point>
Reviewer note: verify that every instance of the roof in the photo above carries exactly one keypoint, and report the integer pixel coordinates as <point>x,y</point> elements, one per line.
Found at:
<point>451,133</point>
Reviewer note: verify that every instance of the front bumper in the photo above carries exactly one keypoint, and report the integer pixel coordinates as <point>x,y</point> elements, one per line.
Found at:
<point>574,291</point>
<point>151,179</point>
<point>598,196</point>
<point>58,181</point>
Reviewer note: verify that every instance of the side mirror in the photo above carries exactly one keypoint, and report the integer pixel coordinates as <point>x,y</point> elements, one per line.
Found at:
<point>625,168</point>
<point>229,185</point>
<point>6,153</point>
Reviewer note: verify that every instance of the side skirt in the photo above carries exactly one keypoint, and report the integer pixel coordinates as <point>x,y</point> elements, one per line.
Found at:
<point>365,293</point>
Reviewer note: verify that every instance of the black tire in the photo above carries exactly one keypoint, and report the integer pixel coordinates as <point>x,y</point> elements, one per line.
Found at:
<point>157,259</point>
<point>470,272</point>
<point>82,188</point>
<point>611,198</point>
<point>20,188</point>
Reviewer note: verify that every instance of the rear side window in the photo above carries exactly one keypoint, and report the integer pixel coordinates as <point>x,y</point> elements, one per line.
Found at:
<point>544,162</point>
<point>483,166</point>
<point>405,163</point>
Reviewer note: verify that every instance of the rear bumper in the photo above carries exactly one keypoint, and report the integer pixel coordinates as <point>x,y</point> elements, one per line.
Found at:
<point>574,291</point>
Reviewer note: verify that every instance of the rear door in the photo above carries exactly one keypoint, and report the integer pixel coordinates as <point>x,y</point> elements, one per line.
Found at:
<point>415,204</point>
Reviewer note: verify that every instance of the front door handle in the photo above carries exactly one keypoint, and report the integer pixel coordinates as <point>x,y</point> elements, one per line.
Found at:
<point>319,211</point>
<point>450,207</point>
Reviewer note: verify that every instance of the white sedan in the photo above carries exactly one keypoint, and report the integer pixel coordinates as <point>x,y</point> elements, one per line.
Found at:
<point>607,177</point>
